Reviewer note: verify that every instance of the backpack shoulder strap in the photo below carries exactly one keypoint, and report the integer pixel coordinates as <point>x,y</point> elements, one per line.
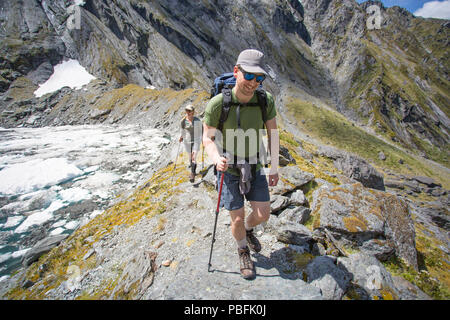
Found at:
<point>262,101</point>
<point>226,105</point>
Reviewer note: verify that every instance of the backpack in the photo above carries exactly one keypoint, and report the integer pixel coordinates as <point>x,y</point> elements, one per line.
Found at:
<point>223,84</point>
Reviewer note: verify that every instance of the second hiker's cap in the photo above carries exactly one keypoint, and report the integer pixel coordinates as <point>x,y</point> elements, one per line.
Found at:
<point>250,60</point>
<point>189,107</point>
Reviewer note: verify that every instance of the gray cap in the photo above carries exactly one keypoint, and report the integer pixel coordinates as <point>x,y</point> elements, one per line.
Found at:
<point>189,107</point>
<point>250,60</point>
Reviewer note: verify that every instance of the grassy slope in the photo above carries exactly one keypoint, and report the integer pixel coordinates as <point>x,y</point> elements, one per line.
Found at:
<point>331,127</point>
<point>395,57</point>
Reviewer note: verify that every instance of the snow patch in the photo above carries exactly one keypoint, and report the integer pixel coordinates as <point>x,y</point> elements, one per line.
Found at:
<point>36,174</point>
<point>39,217</point>
<point>68,73</point>
<point>13,221</point>
<point>74,195</point>
<point>56,231</point>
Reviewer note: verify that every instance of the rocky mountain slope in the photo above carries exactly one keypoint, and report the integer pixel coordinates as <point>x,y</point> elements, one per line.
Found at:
<point>394,79</point>
<point>377,218</point>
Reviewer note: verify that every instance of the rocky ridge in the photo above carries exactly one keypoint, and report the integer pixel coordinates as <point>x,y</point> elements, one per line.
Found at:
<point>321,243</point>
<point>140,248</point>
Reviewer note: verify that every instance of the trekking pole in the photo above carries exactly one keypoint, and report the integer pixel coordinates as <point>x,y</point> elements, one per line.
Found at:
<point>215,221</point>
<point>203,152</point>
<point>176,159</point>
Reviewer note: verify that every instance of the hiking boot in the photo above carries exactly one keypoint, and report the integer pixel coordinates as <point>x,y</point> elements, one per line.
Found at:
<point>252,241</point>
<point>246,264</point>
<point>193,169</point>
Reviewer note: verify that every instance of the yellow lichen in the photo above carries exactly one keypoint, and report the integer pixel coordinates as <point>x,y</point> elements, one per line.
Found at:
<point>147,201</point>
<point>354,224</point>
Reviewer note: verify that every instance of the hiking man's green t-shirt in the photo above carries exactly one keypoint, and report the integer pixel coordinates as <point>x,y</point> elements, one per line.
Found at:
<point>247,142</point>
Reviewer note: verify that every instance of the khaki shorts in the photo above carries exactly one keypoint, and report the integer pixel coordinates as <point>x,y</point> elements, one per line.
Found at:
<point>232,199</point>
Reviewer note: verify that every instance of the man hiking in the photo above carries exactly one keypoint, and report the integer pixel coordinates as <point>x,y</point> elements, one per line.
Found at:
<point>191,134</point>
<point>239,162</point>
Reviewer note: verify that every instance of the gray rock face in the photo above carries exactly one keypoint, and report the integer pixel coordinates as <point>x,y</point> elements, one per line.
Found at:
<point>354,167</point>
<point>30,45</point>
<point>278,203</point>
<point>42,247</point>
<point>338,45</point>
<point>369,274</point>
<point>288,227</point>
<point>291,178</point>
<point>162,44</point>
<point>333,281</point>
<point>359,215</point>
<point>165,44</point>
<point>298,198</point>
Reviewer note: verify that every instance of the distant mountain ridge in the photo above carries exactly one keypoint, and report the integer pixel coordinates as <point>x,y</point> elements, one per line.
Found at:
<point>393,79</point>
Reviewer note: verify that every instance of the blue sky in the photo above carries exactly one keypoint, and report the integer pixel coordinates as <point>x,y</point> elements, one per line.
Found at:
<point>425,8</point>
<point>411,5</point>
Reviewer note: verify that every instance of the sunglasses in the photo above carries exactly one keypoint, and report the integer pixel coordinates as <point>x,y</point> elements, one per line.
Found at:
<point>250,76</point>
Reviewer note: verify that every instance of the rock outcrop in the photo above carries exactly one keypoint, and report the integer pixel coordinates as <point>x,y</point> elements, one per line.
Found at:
<point>376,222</point>
<point>166,256</point>
<point>354,167</point>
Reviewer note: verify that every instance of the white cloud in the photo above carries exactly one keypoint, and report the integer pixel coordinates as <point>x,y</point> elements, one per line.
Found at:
<point>435,9</point>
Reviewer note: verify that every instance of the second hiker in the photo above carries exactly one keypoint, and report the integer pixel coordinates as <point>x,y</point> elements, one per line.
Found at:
<point>243,175</point>
<point>191,135</point>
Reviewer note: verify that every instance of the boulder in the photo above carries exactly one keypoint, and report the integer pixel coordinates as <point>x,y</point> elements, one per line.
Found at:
<point>298,198</point>
<point>287,229</point>
<point>370,276</point>
<point>278,202</point>
<point>297,215</point>
<point>137,276</point>
<point>438,192</point>
<point>394,184</point>
<point>399,228</point>
<point>413,185</point>
<point>409,291</point>
<point>41,247</point>
<point>333,281</point>
<point>285,157</point>
<point>358,215</point>
<point>354,167</point>
<point>291,178</point>
<point>427,181</point>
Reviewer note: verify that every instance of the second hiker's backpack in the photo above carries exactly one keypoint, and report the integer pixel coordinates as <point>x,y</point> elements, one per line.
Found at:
<point>223,84</point>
